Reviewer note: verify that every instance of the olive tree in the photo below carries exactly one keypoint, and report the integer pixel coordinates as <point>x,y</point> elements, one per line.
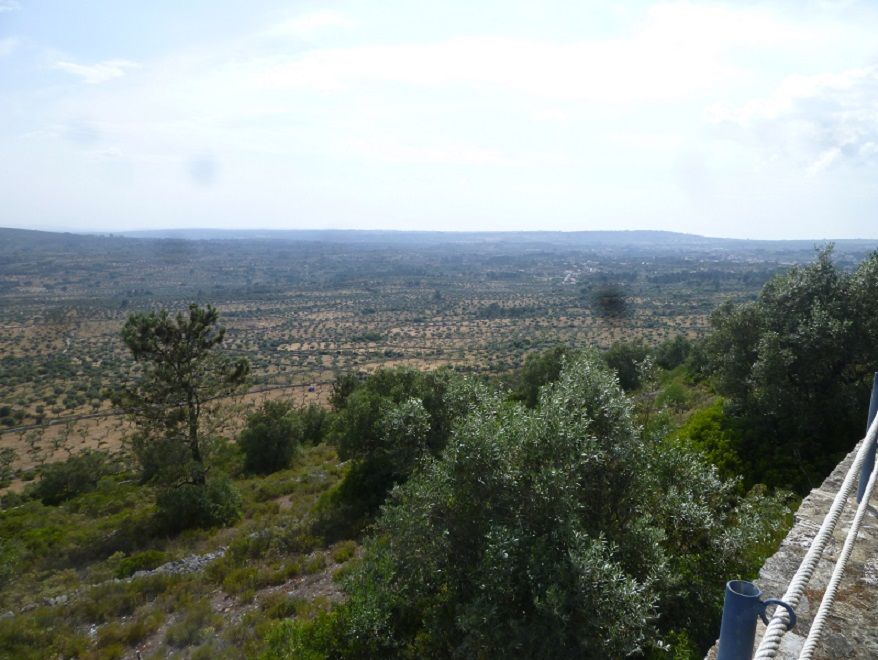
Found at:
<point>557,532</point>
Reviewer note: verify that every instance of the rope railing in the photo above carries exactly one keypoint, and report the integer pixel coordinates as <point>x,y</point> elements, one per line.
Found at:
<point>778,625</point>
<point>742,599</point>
<point>831,590</point>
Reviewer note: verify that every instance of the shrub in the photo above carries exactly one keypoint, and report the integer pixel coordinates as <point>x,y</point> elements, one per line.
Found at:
<point>66,479</point>
<point>671,353</point>
<point>7,458</point>
<point>625,357</point>
<point>249,634</point>
<point>314,564</point>
<point>10,552</point>
<point>343,386</point>
<point>539,369</point>
<point>132,632</point>
<point>711,432</point>
<point>140,561</point>
<point>197,623</point>
<point>113,600</point>
<point>560,532</point>
<point>216,503</point>
<point>314,424</point>
<point>796,367</point>
<point>342,551</point>
<point>27,637</point>
<point>396,418</point>
<point>279,605</point>
<point>271,437</point>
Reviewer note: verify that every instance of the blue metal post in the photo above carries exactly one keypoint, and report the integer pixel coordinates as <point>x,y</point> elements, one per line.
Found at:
<point>738,630</point>
<point>869,463</point>
<point>740,609</point>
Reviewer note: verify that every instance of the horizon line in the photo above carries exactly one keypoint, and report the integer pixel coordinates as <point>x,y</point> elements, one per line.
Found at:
<point>460,232</point>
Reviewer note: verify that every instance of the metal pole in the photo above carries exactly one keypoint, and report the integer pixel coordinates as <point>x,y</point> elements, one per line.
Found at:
<point>738,630</point>
<point>740,609</point>
<point>869,462</point>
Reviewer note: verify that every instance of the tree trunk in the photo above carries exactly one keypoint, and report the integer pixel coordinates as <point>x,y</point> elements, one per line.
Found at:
<point>198,472</point>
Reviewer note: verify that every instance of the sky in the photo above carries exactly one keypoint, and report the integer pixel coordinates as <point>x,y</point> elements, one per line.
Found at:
<point>740,119</point>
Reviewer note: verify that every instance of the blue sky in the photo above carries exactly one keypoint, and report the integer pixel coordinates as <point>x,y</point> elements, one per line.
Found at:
<point>742,119</point>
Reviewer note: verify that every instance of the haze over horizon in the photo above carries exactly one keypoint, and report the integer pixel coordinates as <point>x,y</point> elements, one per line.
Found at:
<point>730,119</point>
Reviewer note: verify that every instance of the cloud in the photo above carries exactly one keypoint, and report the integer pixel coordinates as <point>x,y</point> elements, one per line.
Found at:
<point>476,117</point>
<point>391,151</point>
<point>819,121</point>
<point>9,5</point>
<point>82,133</point>
<point>675,51</point>
<point>8,45</point>
<point>309,24</point>
<point>536,68</point>
<point>94,74</point>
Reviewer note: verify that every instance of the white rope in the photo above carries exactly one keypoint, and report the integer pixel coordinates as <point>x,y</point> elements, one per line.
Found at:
<point>770,643</point>
<point>837,573</point>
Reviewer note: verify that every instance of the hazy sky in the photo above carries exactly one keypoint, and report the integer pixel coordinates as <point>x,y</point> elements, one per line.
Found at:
<point>744,119</point>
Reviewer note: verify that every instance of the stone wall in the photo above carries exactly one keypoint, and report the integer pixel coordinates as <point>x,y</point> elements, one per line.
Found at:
<point>851,630</point>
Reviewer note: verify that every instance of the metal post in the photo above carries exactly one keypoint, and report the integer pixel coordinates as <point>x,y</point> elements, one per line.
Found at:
<point>869,462</point>
<point>738,630</point>
<point>740,609</point>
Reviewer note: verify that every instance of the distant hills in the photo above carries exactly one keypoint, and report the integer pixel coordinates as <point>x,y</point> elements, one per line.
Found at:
<point>386,236</point>
<point>638,239</point>
<point>634,238</point>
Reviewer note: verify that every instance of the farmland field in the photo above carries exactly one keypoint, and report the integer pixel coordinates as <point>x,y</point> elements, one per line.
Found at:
<point>304,306</point>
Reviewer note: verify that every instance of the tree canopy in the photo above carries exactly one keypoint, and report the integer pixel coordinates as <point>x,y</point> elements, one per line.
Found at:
<point>271,437</point>
<point>181,372</point>
<point>384,425</point>
<point>796,365</point>
<point>557,532</point>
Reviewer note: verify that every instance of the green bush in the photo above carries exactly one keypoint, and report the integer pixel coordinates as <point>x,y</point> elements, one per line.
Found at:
<point>625,357</point>
<point>198,623</point>
<point>342,551</point>
<point>7,458</point>
<point>113,600</point>
<point>561,532</point>
<point>279,605</point>
<point>248,636</point>
<point>271,437</point>
<point>140,561</point>
<point>31,636</point>
<point>314,423</point>
<point>539,369</point>
<point>711,432</point>
<point>216,503</point>
<point>796,367</point>
<point>10,552</point>
<point>671,353</point>
<point>385,426</point>
<point>155,455</point>
<point>344,385</point>
<point>132,632</point>
<point>66,479</point>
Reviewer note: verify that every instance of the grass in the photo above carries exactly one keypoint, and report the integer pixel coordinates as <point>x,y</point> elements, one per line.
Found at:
<point>197,623</point>
<point>89,547</point>
<point>143,624</point>
<point>81,548</point>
